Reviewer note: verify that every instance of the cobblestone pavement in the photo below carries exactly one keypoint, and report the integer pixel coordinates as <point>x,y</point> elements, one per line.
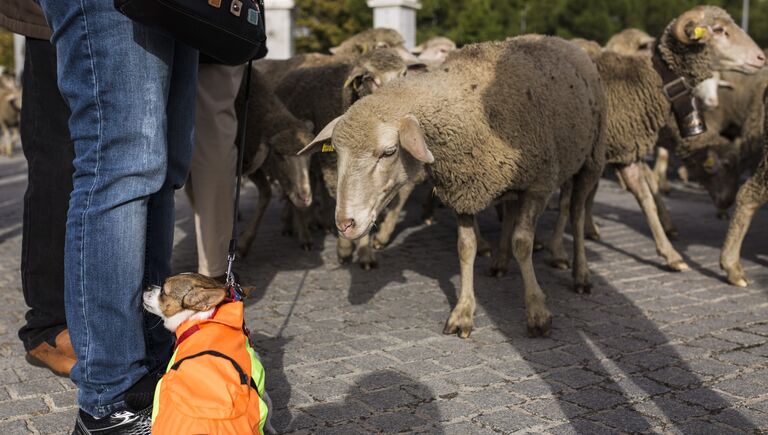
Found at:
<point>350,351</point>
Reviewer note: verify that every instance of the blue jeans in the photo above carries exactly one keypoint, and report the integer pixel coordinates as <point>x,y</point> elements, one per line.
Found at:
<point>131,92</point>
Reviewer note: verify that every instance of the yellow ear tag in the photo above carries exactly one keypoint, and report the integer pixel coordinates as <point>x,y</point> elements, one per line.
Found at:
<point>699,32</point>
<point>328,148</point>
<point>709,163</point>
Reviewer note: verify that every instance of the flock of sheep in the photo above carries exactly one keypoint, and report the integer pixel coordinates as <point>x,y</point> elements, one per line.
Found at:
<point>349,135</point>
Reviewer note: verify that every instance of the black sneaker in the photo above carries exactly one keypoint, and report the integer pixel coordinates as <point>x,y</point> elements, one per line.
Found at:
<point>118,423</point>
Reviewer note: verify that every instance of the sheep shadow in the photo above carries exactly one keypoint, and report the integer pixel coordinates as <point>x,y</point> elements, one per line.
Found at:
<point>383,401</point>
<point>695,240</point>
<point>605,359</point>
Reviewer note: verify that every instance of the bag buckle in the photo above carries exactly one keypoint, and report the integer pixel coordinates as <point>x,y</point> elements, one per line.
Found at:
<point>676,89</point>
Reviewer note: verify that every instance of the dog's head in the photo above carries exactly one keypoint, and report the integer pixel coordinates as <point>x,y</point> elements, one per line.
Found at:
<point>185,296</point>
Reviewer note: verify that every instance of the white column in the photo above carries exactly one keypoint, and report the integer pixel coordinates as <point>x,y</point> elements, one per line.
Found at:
<point>397,14</point>
<point>18,55</point>
<point>279,18</point>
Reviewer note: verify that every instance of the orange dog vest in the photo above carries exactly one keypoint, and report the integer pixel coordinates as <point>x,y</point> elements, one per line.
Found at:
<point>214,382</point>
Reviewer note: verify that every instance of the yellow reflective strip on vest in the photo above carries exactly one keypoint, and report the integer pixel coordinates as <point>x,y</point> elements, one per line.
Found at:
<point>156,398</point>
<point>257,370</point>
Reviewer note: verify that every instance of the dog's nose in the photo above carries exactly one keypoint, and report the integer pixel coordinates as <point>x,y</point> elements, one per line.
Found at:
<point>345,224</point>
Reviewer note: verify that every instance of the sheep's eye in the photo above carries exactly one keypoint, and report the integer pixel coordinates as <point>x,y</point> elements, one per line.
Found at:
<point>388,152</point>
<point>719,30</point>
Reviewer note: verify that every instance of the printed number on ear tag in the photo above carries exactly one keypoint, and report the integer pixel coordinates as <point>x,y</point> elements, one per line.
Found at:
<point>328,148</point>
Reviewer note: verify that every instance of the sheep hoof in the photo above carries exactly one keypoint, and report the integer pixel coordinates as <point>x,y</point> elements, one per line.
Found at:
<point>484,252</point>
<point>559,263</point>
<point>429,221</point>
<point>368,265</point>
<point>541,328</point>
<point>737,279</point>
<point>345,259</point>
<point>462,330</point>
<point>497,272</point>
<point>582,289</point>
<point>679,266</point>
<point>592,233</point>
<point>378,245</point>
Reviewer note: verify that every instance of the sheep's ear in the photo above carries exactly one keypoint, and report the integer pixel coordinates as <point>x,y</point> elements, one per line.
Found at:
<point>417,50</point>
<point>690,28</point>
<point>334,50</point>
<point>203,299</point>
<point>412,139</point>
<point>323,138</point>
<point>354,77</point>
<point>725,84</point>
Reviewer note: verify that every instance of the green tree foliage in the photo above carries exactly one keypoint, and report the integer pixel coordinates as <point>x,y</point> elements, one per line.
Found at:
<point>322,24</point>
<point>6,49</point>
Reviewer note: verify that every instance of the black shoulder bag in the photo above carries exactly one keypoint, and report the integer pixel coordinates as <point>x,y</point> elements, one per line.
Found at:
<point>230,31</point>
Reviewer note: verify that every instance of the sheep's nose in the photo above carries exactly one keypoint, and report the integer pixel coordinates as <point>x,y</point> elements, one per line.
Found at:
<point>345,224</point>
<point>305,197</point>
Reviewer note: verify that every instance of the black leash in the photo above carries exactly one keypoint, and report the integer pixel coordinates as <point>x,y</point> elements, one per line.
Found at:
<point>240,151</point>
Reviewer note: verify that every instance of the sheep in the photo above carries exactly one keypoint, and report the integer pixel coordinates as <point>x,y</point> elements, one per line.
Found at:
<point>434,50</point>
<point>10,113</point>
<point>631,42</point>
<point>591,47</point>
<point>273,137</point>
<point>507,121</point>
<point>349,49</point>
<point>320,94</point>
<point>751,196</point>
<point>698,41</point>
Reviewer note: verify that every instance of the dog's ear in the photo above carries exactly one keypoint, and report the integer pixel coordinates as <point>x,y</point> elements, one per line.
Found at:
<point>203,299</point>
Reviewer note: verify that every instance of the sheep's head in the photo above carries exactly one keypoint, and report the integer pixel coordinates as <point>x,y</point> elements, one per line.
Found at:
<point>288,168</point>
<point>631,42</point>
<point>729,46</point>
<point>373,39</point>
<point>372,71</point>
<point>707,91</point>
<point>375,159</point>
<point>434,50</point>
<point>717,169</point>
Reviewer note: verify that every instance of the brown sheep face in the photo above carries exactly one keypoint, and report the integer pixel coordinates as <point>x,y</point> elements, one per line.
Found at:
<point>375,159</point>
<point>717,169</point>
<point>291,170</point>
<point>731,47</point>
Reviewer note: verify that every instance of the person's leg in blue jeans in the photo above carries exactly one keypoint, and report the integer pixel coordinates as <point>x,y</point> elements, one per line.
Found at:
<point>131,94</point>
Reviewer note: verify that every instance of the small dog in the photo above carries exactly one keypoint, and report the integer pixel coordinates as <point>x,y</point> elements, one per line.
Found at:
<point>205,394</point>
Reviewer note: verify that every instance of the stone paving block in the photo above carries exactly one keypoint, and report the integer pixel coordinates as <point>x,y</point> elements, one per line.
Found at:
<point>623,419</point>
<point>36,387</point>
<point>396,422</point>
<point>388,399</point>
<point>22,407</point>
<point>595,398</point>
<point>338,411</point>
<point>54,423</point>
<point>64,399</point>
<point>675,377</point>
<point>17,427</point>
<point>491,398</point>
<point>665,408</point>
<point>581,426</point>
<point>555,410</point>
<point>575,377</point>
<point>510,420</point>
<point>744,419</point>
<point>475,378</point>
<point>465,428</point>
<point>751,385</point>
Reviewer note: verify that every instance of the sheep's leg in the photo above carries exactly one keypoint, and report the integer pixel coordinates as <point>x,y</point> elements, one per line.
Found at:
<point>539,319</point>
<point>501,261</point>
<point>428,208</point>
<point>750,197</point>
<point>301,223</point>
<point>286,217</point>
<point>265,195</point>
<point>366,255</point>
<point>555,246</point>
<point>387,226</point>
<point>344,250</point>
<point>585,182</point>
<point>461,319</point>
<point>660,168</point>
<point>5,140</point>
<point>664,217</point>
<point>483,247</point>
<point>633,176</point>
<point>591,231</point>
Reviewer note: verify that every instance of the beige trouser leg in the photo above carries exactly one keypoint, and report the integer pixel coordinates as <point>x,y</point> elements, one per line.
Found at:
<point>211,184</point>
